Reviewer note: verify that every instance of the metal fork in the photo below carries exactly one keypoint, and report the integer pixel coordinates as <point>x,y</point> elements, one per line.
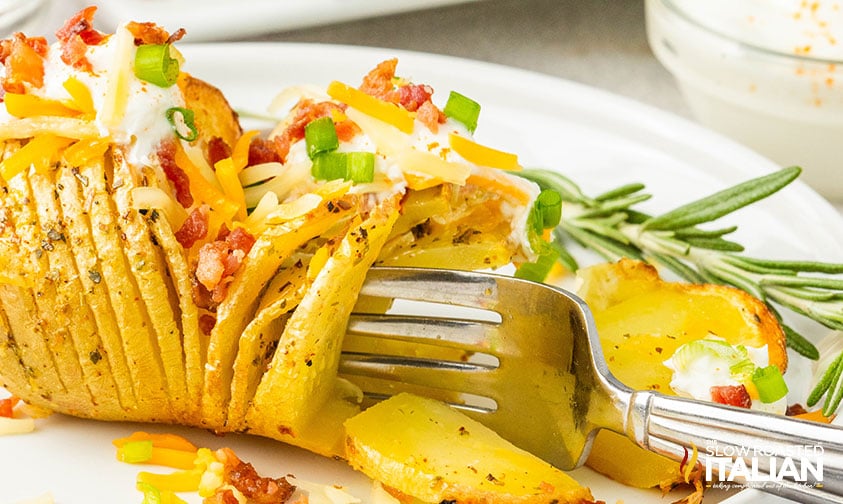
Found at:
<point>524,358</point>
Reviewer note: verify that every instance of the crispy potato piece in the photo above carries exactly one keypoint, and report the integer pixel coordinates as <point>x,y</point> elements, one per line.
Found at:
<point>92,283</point>
<point>139,339</point>
<point>302,377</point>
<point>150,274</point>
<point>213,116</point>
<point>70,298</point>
<point>271,249</point>
<point>193,341</point>
<point>642,320</point>
<point>260,337</point>
<point>436,454</point>
<point>44,318</point>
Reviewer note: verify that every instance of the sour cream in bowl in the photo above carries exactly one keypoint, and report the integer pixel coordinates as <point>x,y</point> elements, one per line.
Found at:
<point>768,73</point>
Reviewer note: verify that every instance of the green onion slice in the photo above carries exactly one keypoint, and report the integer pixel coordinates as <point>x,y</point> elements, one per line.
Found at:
<point>320,135</point>
<point>537,271</point>
<point>181,119</point>
<point>463,109</point>
<point>549,205</point>
<point>134,452</point>
<point>153,64</point>
<point>330,166</point>
<point>770,384</point>
<point>361,167</point>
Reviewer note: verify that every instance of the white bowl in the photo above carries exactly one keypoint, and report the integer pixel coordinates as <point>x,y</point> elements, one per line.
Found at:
<point>768,73</point>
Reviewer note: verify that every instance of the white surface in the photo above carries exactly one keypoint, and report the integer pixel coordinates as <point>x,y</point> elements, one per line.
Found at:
<point>598,139</point>
<point>226,19</point>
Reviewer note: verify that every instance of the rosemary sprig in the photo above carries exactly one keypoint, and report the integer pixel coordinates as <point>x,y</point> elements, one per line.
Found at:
<point>608,225</point>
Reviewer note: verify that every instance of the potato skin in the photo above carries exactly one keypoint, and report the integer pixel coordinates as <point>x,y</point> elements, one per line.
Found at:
<point>641,320</point>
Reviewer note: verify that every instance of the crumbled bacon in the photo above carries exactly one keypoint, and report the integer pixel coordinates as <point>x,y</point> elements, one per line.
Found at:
<point>263,151</point>
<point>194,228</point>
<point>257,489</point>
<point>732,395</point>
<point>23,58</point>
<point>207,323</point>
<point>151,33</point>
<point>219,259</point>
<point>430,115</point>
<point>217,150</point>
<point>179,179</point>
<point>76,35</point>
<point>380,83</point>
<point>307,111</point>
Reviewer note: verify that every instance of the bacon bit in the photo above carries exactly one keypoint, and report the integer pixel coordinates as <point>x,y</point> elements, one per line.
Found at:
<point>151,33</point>
<point>24,61</point>
<point>207,323</point>
<point>732,395</point>
<point>217,150</point>
<point>7,406</point>
<point>179,179</point>
<point>75,37</point>
<point>795,409</point>
<point>379,83</point>
<point>224,497</point>
<point>307,111</point>
<point>194,228</point>
<point>263,151</point>
<point>220,259</point>
<point>257,489</point>
<point>430,115</point>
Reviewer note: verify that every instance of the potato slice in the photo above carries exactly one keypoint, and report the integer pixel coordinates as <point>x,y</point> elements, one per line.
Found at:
<point>436,454</point>
<point>213,116</point>
<point>149,272</point>
<point>193,340</point>
<point>70,301</point>
<point>260,337</point>
<point>92,285</point>
<point>15,375</point>
<point>642,320</point>
<point>139,339</point>
<point>45,318</point>
<point>302,377</point>
<point>270,250</point>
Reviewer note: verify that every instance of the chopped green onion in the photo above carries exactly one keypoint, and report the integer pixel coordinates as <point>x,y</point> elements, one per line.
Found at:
<point>181,119</point>
<point>549,204</point>
<point>330,166</point>
<point>320,136</point>
<point>463,109</point>
<point>354,166</point>
<point>770,384</point>
<point>134,452</point>
<point>153,64</point>
<point>537,271</point>
<point>361,167</point>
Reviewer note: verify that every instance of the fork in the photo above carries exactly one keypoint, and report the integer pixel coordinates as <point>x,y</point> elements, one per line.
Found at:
<point>524,358</point>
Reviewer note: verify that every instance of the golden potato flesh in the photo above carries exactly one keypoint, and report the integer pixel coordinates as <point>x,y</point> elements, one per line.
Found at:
<point>642,320</point>
<point>436,454</point>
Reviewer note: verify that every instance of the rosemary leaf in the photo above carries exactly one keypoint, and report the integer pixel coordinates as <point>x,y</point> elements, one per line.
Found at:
<point>724,202</point>
<point>566,187</point>
<point>619,192</point>
<point>799,343</point>
<point>804,266</point>
<point>694,232</point>
<point>718,244</point>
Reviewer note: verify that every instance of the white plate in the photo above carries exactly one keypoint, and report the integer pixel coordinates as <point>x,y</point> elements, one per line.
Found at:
<point>599,139</point>
<point>207,20</point>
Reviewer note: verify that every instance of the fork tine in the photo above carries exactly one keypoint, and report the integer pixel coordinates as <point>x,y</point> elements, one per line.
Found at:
<point>437,286</point>
<point>454,333</point>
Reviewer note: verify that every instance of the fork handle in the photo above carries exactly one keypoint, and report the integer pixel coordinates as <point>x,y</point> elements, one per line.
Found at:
<point>799,459</point>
